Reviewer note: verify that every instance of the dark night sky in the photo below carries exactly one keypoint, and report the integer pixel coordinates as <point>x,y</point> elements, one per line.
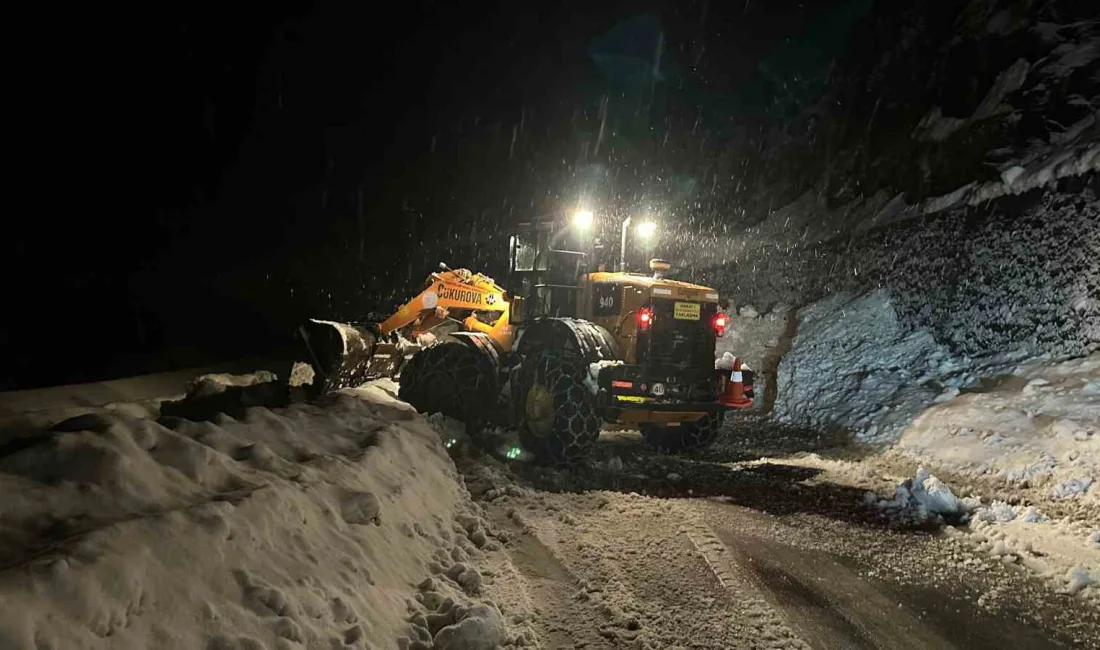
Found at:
<point>212,159</point>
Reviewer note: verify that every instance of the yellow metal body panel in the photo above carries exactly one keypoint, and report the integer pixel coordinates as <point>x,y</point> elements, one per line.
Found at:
<point>453,293</point>
<point>636,290</point>
<point>685,290</point>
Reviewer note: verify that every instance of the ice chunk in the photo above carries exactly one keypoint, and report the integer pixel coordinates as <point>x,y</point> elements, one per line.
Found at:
<point>998,511</point>
<point>725,362</point>
<point>1032,515</point>
<point>1077,579</point>
<point>1001,512</point>
<point>937,497</point>
<point>927,495</point>
<point>1072,488</point>
<point>1010,175</point>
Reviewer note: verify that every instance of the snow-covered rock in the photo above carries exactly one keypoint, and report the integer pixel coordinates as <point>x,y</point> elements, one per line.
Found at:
<point>852,364</point>
<point>926,495</point>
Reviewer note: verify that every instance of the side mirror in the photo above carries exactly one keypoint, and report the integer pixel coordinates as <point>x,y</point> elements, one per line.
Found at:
<point>723,303</point>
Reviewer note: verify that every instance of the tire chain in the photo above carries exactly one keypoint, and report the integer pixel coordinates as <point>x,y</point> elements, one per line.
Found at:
<point>576,427</point>
<point>448,378</point>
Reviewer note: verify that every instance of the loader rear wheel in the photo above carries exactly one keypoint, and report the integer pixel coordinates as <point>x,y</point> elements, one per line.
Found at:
<point>559,421</point>
<point>687,436</point>
<point>451,378</point>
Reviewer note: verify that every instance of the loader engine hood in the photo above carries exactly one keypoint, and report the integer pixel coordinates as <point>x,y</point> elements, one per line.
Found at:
<point>659,287</point>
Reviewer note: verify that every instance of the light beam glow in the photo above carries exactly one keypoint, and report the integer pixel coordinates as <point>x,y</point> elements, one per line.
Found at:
<point>582,219</point>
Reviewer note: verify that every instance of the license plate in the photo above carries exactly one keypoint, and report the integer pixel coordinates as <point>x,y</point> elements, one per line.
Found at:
<point>686,311</point>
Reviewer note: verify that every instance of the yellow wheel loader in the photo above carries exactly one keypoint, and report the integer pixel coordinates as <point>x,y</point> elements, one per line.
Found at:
<point>564,349</point>
<point>453,301</point>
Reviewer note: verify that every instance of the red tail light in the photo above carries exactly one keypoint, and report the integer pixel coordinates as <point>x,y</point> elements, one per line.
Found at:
<point>645,318</point>
<point>720,322</point>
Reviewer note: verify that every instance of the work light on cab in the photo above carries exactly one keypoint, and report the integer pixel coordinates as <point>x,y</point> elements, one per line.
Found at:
<point>720,323</point>
<point>645,318</point>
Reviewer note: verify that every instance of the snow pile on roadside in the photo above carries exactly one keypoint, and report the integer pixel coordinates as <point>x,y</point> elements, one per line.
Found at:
<point>216,383</point>
<point>134,396</point>
<point>852,364</point>
<point>1036,430</point>
<point>1059,551</point>
<point>306,526</point>
<point>1066,553</point>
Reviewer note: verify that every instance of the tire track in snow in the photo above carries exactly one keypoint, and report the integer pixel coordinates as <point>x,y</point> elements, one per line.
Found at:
<point>624,572</point>
<point>561,618</point>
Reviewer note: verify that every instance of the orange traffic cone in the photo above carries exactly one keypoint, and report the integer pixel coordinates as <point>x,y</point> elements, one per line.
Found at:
<point>734,394</point>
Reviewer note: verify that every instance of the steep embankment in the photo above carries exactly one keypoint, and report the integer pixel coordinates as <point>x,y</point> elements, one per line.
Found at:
<point>934,220</point>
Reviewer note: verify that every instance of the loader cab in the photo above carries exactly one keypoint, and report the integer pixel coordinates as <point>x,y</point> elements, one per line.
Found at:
<point>547,265</point>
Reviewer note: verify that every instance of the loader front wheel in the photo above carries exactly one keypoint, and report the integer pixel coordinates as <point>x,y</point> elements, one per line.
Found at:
<point>559,421</point>
<point>685,437</point>
<point>451,378</point>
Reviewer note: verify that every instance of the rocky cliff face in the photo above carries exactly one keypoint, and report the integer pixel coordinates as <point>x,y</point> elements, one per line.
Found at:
<point>898,317</point>
<point>946,195</point>
<point>1021,273</point>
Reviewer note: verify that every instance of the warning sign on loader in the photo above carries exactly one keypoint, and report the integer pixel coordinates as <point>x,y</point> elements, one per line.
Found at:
<point>685,311</point>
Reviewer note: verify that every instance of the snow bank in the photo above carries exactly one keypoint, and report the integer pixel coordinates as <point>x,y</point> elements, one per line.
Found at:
<point>1057,550</point>
<point>1064,552</point>
<point>1036,429</point>
<point>138,396</point>
<point>217,383</point>
<point>304,526</point>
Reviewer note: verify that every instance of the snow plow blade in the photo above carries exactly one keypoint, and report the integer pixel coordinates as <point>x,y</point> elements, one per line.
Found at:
<point>345,355</point>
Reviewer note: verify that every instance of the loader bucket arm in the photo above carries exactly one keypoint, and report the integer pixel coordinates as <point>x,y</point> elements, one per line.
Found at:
<point>406,314</point>
<point>345,355</point>
<point>448,291</point>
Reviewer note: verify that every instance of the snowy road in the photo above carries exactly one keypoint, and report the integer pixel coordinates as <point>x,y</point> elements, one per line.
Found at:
<point>770,559</point>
